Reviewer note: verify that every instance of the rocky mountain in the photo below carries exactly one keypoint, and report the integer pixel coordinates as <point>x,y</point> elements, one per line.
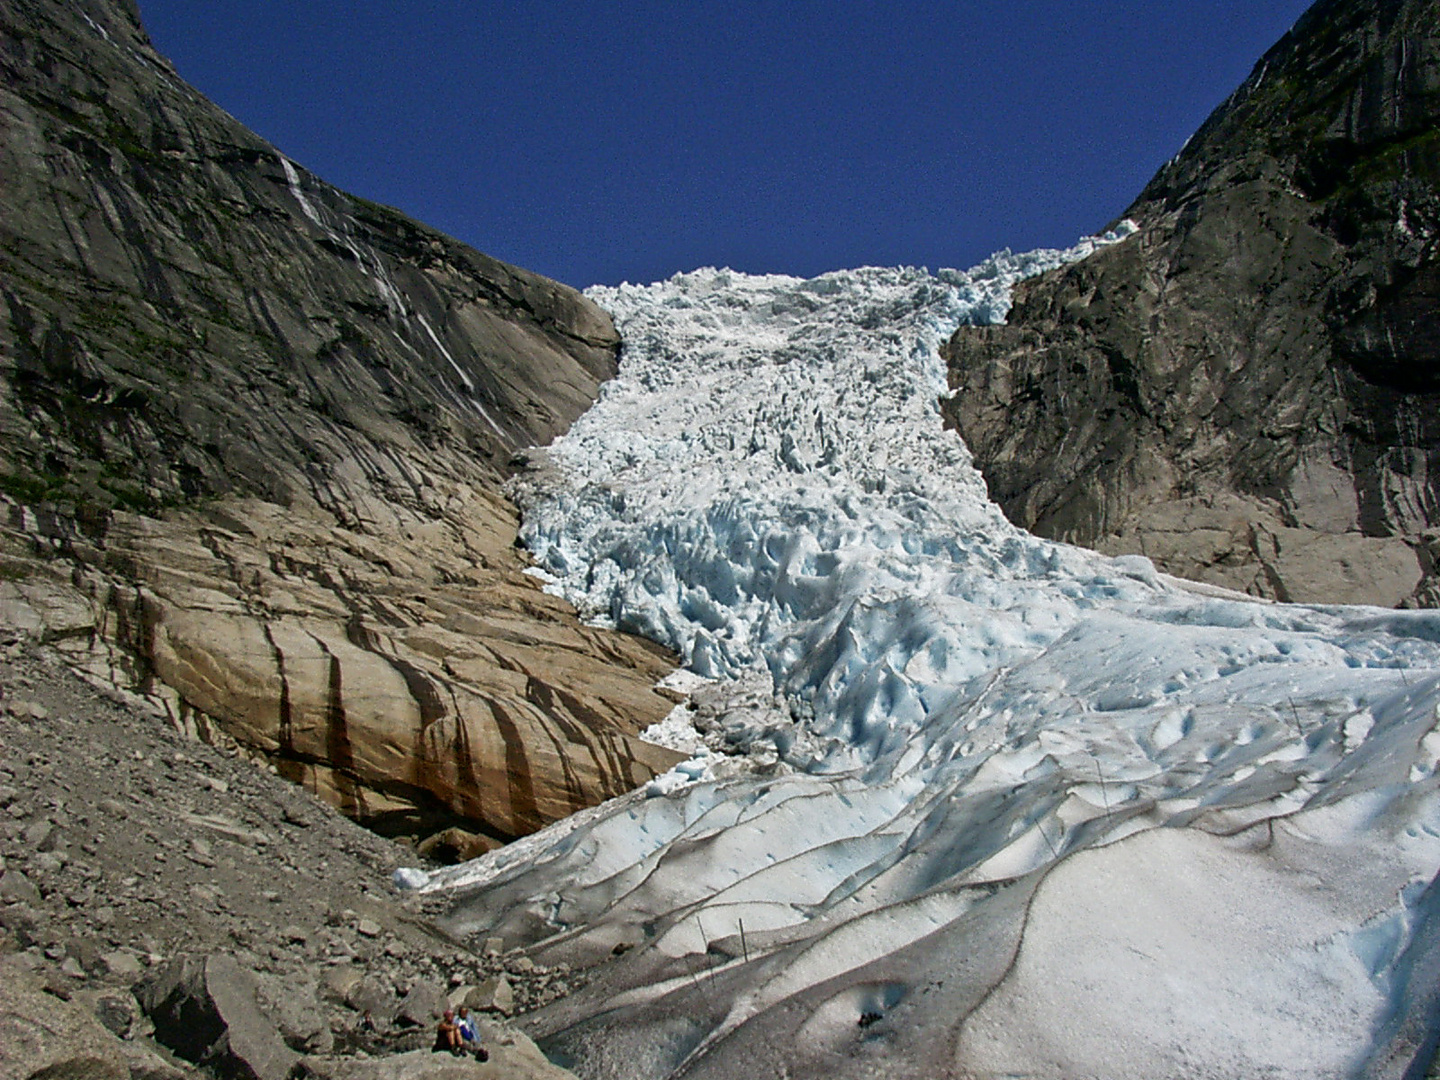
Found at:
<point>1247,390</point>
<point>253,437</point>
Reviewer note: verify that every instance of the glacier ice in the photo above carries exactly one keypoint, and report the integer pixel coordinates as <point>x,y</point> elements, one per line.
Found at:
<point>968,802</point>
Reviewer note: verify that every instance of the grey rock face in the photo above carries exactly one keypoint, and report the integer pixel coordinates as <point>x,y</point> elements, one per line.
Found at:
<point>253,433</point>
<point>185,312</point>
<point>1247,390</point>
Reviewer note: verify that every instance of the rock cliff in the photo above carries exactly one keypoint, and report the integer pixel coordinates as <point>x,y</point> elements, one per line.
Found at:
<point>254,435</point>
<point>1247,389</point>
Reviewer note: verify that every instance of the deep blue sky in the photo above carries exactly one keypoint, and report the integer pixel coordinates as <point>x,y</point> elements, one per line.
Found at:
<point>603,141</point>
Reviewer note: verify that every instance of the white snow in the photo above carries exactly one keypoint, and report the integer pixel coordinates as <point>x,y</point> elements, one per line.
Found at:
<point>96,26</point>
<point>292,181</point>
<point>339,230</point>
<point>1018,808</point>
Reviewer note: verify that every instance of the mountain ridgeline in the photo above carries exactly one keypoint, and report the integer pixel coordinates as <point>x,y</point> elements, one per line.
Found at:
<point>253,433</point>
<point>1248,391</point>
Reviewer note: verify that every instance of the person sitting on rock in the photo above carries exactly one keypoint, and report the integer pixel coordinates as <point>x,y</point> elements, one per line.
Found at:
<point>447,1035</point>
<point>469,1034</point>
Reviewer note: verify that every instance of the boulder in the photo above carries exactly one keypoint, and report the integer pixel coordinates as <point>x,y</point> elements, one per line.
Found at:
<point>146,1064</point>
<point>493,995</point>
<point>122,965</point>
<point>339,981</point>
<point>205,1009</point>
<point>116,1010</point>
<point>293,1003</point>
<point>515,1054</point>
<point>42,1036</point>
<point>22,925</point>
<point>17,888</point>
<point>422,1006</point>
<point>368,928</point>
<point>373,995</point>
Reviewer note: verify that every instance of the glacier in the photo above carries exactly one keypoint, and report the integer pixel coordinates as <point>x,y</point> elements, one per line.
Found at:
<point>960,801</point>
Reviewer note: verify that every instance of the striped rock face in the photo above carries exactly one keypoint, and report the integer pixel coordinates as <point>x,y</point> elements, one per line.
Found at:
<point>419,688</point>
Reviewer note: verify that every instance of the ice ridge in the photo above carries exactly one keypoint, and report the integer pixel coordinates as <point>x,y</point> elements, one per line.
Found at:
<point>767,483</point>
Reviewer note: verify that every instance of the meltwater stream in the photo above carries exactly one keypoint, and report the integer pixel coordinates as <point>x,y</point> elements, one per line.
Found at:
<point>966,801</point>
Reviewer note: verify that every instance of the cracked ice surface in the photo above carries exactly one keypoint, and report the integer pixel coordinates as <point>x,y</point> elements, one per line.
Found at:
<point>1008,807</point>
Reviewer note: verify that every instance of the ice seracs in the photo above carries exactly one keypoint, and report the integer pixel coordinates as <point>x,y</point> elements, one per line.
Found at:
<point>990,805</point>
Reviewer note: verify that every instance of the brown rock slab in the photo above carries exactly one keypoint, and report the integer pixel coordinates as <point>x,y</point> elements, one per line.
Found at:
<point>204,1008</point>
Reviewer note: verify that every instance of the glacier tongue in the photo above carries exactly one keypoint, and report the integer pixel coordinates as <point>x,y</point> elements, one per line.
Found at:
<point>996,805</point>
<point>767,483</point>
